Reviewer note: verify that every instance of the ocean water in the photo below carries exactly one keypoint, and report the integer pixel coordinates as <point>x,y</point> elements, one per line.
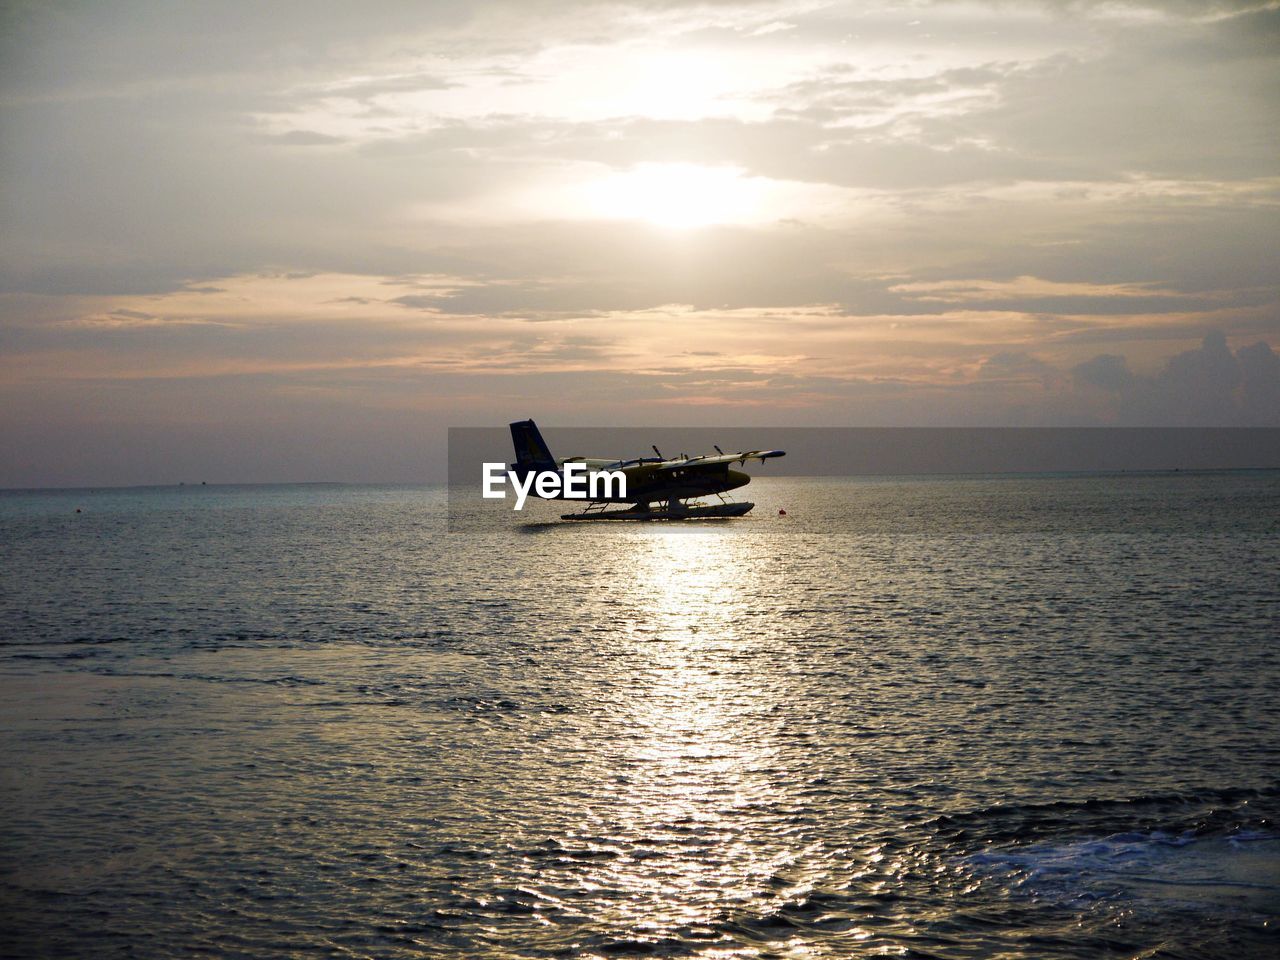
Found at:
<point>1019,717</point>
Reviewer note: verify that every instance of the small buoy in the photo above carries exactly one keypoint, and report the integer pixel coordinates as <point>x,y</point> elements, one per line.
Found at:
<point>782,513</point>
<point>77,509</point>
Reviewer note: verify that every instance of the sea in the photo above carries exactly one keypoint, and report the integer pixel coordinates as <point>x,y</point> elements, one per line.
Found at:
<point>1007,716</point>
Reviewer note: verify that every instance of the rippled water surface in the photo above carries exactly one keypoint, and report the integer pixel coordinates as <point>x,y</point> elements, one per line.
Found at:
<point>950,717</point>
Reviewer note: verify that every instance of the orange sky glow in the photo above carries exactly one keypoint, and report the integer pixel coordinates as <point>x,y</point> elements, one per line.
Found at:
<point>267,242</point>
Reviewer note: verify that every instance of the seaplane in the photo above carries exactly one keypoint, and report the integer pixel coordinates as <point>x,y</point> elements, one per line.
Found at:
<point>657,488</point>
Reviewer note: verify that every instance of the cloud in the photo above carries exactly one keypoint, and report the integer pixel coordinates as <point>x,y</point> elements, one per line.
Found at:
<point>1020,288</point>
<point>1016,366</point>
<point>1209,375</point>
<point>1260,392</point>
<point>368,88</point>
<point>302,138</point>
<point>1107,371</point>
<point>1207,386</point>
<point>977,212</point>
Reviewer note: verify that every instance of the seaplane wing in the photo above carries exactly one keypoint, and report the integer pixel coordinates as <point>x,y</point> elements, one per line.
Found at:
<point>693,463</point>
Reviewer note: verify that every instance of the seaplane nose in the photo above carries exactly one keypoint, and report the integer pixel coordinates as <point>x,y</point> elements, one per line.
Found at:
<point>738,479</point>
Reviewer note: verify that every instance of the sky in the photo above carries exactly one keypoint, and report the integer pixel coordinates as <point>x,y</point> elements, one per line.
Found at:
<point>299,240</point>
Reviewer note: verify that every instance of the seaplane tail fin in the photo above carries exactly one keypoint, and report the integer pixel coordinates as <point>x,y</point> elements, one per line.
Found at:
<point>531,450</point>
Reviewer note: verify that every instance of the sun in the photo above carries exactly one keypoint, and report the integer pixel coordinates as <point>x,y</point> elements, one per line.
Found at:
<point>677,195</point>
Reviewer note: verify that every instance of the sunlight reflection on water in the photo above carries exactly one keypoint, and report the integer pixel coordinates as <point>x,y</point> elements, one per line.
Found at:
<point>703,770</point>
<point>261,725</point>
